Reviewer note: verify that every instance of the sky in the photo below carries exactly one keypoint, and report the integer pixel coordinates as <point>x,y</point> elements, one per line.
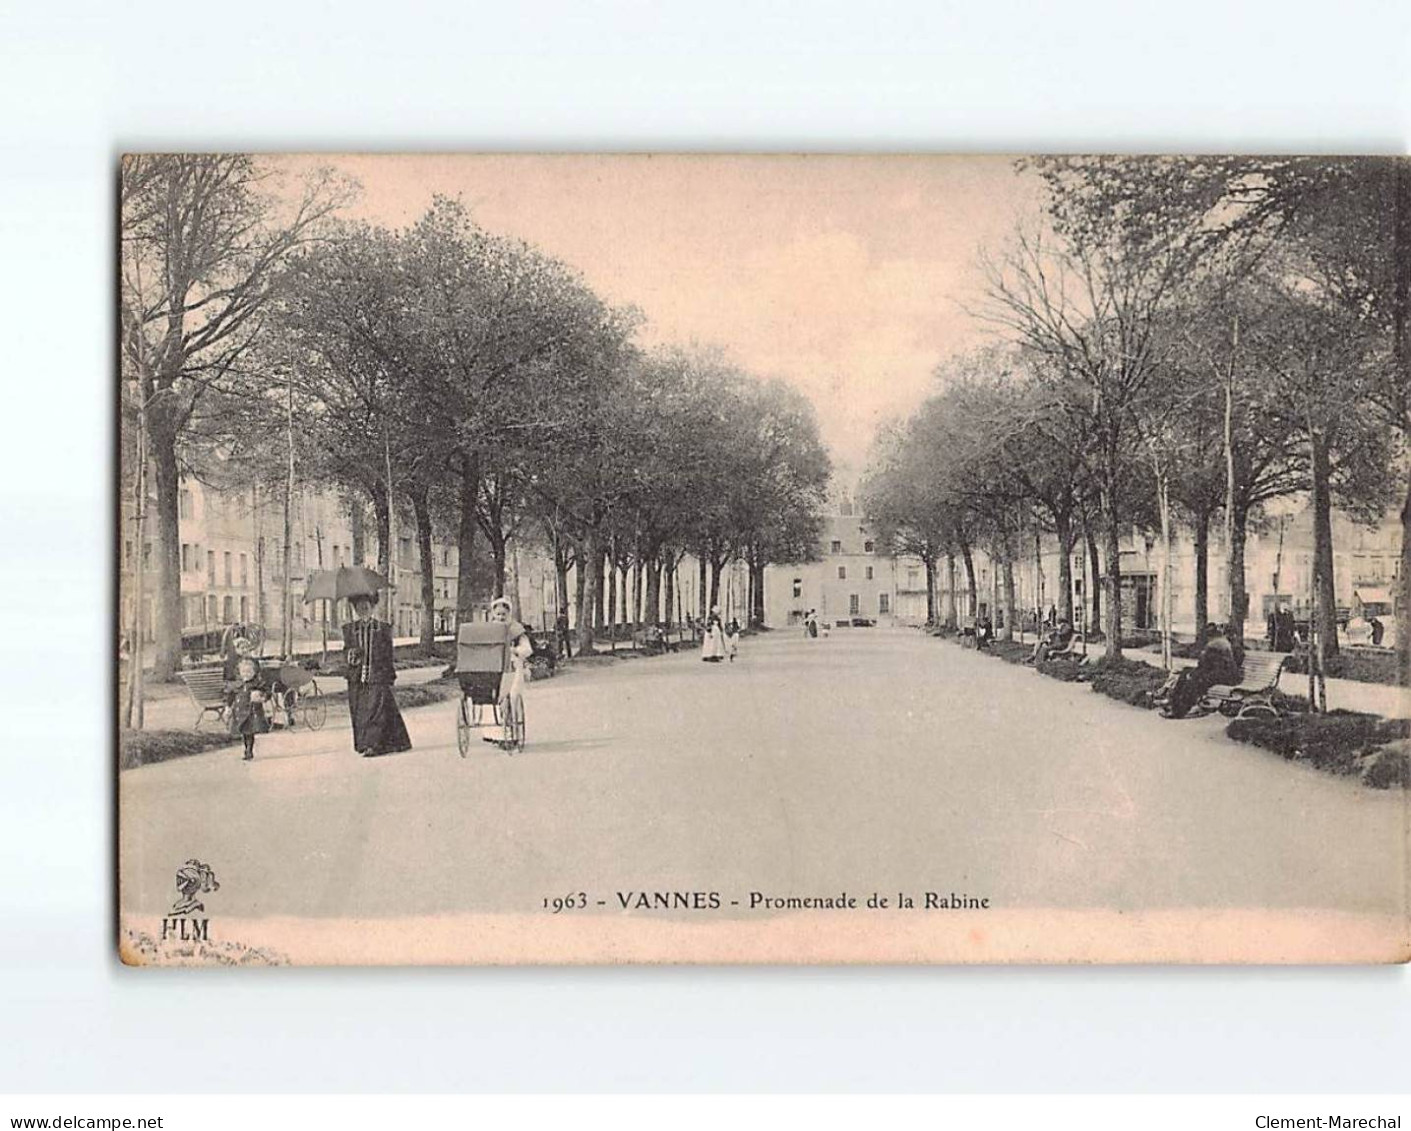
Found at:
<point>849,277</point>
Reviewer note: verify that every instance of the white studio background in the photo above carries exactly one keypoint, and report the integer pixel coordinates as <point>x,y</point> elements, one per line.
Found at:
<point>83,81</point>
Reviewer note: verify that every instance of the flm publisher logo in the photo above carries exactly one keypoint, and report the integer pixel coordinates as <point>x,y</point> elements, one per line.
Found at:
<point>193,879</point>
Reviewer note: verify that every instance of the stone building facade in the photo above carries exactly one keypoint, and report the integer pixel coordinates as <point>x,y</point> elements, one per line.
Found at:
<point>853,579</point>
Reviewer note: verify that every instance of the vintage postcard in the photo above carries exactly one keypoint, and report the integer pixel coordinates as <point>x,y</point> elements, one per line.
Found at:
<point>762,559</point>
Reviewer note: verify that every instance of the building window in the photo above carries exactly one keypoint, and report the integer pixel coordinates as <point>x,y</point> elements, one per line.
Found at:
<point>211,571</point>
<point>186,557</point>
<point>227,567</point>
<point>229,617</point>
<point>798,587</point>
<point>884,603</point>
<point>127,553</point>
<point>212,609</point>
<point>146,555</point>
<point>913,578</point>
<point>869,569</point>
<point>446,558</point>
<point>854,604</point>
<point>184,505</point>
<point>842,573</point>
<point>244,610</point>
<point>244,571</point>
<point>837,546</point>
<point>867,547</point>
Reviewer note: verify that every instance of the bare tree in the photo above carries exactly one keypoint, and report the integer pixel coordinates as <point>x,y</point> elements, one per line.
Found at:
<point>202,240</point>
<point>1091,305</point>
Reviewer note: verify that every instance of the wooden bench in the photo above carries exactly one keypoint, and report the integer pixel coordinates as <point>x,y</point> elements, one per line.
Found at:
<point>207,688</point>
<point>1254,694</point>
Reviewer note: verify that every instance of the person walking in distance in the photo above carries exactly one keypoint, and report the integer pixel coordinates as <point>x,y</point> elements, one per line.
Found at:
<point>713,645</point>
<point>565,645</point>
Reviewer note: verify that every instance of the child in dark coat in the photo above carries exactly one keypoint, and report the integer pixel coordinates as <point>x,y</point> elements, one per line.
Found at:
<point>247,705</point>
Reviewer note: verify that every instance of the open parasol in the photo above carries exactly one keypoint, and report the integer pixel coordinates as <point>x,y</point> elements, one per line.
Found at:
<point>343,582</point>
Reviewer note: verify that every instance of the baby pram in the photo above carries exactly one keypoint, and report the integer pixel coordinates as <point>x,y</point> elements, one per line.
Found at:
<point>485,673</point>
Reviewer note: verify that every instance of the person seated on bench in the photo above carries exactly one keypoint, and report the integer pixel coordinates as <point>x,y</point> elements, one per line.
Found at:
<point>984,632</point>
<point>1056,640</point>
<point>1216,665</point>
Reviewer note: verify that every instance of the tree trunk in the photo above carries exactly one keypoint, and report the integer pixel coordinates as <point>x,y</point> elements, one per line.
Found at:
<point>757,605</point>
<point>1038,577</point>
<point>930,563</point>
<point>1163,502</point>
<point>499,554</point>
<point>514,588</point>
<point>1063,524</point>
<point>581,611</point>
<point>421,508</point>
<point>651,614</point>
<point>589,592</point>
<point>1236,514</point>
<point>286,593</point>
<point>995,570</point>
<point>1323,545</point>
<point>702,590</point>
<point>465,538</point>
<point>973,593</point>
<point>384,535</point>
<point>950,589</point>
<point>1095,572</point>
<point>1236,589</point>
<point>715,570</point>
<point>598,587</point>
<point>1202,576</point>
<point>611,577</point>
<point>669,583</point>
<point>1112,531</point>
<point>166,651</point>
<point>357,525</point>
<point>560,577</point>
<point>1008,568</point>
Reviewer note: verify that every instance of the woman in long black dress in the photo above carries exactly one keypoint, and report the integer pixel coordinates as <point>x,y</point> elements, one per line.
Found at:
<point>367,648</point>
